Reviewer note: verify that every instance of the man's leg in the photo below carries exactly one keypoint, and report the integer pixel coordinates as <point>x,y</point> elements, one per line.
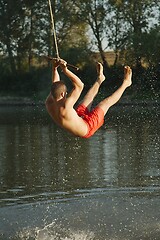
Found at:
<point>111,100</point>
<point>89,97</point>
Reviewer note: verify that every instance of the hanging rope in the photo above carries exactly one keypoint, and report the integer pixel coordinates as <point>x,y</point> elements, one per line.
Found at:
<point>53,29</point>
<point>55,37</point>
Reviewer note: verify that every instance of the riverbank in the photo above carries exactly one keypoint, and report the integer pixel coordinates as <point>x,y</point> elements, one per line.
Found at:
<point>24,101</point>
<point>19,101</point>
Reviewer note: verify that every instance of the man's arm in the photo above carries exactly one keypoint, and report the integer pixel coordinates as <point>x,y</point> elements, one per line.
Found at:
<point>77,83</point>
<point>75,80</point>
<point>55,74</point>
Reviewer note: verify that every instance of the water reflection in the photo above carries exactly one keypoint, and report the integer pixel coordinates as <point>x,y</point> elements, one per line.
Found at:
<point>34,152</point>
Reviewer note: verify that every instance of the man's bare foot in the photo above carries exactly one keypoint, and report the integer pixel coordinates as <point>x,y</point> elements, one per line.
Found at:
<point>127,76</point>
<point>100,74</point>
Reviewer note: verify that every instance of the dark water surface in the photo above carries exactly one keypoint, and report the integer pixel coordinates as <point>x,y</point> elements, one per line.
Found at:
<point>57,186</point>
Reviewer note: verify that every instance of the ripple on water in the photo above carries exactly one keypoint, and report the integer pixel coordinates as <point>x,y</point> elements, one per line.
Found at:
<point>54,231</point>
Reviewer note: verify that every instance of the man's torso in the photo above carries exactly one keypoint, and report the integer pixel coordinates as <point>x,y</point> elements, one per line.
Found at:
<point>67,118</point>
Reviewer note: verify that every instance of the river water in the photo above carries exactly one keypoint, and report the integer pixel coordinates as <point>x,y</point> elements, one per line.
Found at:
<point>57,186</point>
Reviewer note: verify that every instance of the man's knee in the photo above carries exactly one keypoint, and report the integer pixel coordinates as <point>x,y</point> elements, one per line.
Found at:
<point>104,106</point>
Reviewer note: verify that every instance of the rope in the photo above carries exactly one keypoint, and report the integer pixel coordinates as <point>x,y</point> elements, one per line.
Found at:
<point>53,29</point>
<point>55,38</point>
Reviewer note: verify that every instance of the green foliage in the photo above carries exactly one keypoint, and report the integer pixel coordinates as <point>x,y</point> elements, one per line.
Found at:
<point>29,84</point>
<point>127,26</point>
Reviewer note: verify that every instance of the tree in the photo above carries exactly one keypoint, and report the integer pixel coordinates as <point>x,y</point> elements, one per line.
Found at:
<point>35,37</point>
<point>93,13</point>
<point>118,33</point>
<point>10,28</point>
<point>22,30</point>
<point>137,15</point>
<point>25,29</point>
<point>70,31</point>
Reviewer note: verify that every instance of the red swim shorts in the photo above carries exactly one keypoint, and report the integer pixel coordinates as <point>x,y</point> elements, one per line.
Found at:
<point>94,119</point>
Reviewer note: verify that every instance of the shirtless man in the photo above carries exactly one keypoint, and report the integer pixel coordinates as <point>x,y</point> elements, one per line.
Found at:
<point>82,121</point>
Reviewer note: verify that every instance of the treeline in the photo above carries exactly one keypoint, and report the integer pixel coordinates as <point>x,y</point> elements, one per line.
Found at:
<point>129,28</point>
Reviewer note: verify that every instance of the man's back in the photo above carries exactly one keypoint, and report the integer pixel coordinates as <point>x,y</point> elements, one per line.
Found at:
<point>66,117</point>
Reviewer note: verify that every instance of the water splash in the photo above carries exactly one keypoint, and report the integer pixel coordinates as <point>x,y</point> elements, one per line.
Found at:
<point>55,231</point>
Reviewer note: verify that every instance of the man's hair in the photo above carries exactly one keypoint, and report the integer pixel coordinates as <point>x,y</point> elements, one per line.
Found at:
<point>58,88</point>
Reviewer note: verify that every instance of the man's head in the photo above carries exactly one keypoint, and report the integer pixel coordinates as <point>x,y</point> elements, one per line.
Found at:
<point>58,90</point>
